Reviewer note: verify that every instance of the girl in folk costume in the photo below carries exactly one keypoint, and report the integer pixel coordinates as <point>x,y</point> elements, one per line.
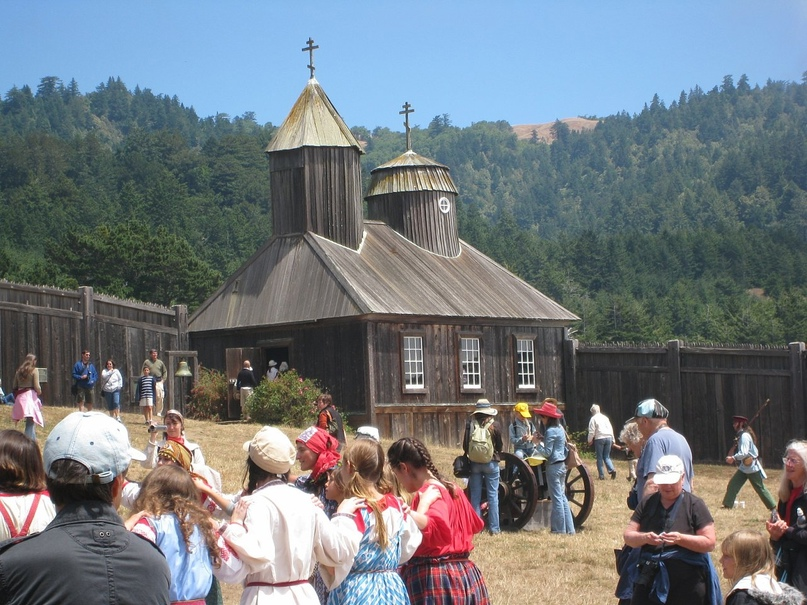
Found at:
<point>389,536</point>
<point>279,533</point>
<point>169,514</point>
<point>25,506</point>
<point>317,453</point>
<point>27,404</point>
<point>746,456</point>
<point>748,563</point>
<point>440,572</point>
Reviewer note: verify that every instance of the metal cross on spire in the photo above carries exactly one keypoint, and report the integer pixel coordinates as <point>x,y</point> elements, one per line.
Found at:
<point>310,49</point>
<point>407,109</point>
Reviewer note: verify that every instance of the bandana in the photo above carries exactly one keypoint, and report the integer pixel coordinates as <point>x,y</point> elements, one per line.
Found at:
<point>176,452</point>
<point>324,445</point>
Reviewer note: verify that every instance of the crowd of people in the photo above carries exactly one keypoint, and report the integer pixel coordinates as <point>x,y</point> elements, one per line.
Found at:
<point>358,523</point>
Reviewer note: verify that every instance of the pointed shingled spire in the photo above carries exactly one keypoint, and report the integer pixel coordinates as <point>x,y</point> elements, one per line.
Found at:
<point>313,122</point>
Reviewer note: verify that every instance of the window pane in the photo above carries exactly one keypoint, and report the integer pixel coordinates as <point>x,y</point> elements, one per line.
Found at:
<point>470,363</point>
<point>413,362</point>
<point>526,363</point>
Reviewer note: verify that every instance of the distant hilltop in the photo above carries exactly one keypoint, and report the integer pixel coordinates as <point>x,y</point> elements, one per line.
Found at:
<point>544,131</point>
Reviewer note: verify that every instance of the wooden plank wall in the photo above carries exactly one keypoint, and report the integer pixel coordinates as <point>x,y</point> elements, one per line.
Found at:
<point>55,325</point>
<point>703,386</point>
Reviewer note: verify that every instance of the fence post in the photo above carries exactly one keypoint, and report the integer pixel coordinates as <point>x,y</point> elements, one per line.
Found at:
<point>797,386</point>
<point>87,320</point>
<point>181,315</point>
<point>674,369</point>
<point>570,375</point>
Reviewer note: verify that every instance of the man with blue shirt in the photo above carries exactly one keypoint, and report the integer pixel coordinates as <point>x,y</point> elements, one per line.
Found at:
<point>651,418</point>
<point>84,378</point>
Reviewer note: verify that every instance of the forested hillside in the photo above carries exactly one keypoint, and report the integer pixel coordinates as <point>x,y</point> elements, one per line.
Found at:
<point>687,220</point>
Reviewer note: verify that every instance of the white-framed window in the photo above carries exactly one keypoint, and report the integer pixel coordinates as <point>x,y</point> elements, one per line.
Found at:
<point>413,362</point>
<point>525,363</point>
<point>470,364</point>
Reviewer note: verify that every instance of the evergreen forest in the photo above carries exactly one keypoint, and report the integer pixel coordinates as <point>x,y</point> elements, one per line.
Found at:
<point>687,220</point>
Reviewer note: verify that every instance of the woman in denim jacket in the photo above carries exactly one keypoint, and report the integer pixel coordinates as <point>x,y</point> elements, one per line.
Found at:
<point>553,448</point>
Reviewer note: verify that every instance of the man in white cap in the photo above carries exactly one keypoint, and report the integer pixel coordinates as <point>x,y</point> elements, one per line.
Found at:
<point>85,555</point>
<point>651,418</point>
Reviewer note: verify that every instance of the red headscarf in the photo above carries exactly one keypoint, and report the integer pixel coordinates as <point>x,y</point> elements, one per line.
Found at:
<point>324,445</point>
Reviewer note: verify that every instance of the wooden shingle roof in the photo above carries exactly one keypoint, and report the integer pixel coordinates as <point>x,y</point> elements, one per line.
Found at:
<point>304,278</point>
<point>313,122</point>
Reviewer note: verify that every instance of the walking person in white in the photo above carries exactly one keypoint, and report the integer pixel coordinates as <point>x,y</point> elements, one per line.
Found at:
<point>601,436</point>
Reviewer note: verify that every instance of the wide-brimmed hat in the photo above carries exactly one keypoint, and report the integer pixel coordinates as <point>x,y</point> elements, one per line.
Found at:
<point>742,419</point>
<point>483,407</point>
<point>669,469</point>
<point>271,450</point>
<point>95,440</point>
<point>650,408</point>
<point>550,410</point>
<point>523,409</point>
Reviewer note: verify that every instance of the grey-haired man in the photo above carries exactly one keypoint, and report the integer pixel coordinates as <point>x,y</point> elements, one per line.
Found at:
<point>651,417</point>
<point>85,556</point>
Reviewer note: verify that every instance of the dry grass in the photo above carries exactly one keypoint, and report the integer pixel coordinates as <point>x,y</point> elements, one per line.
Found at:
<point>518,567</point>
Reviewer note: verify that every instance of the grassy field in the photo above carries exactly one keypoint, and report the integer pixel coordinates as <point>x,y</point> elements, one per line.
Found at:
<point>518,567</point>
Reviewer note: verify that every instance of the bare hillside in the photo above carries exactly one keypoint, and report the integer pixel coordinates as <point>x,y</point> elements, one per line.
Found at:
<point>544,131</point>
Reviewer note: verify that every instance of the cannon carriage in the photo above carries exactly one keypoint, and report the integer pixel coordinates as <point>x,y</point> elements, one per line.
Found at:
<point>522,484</point>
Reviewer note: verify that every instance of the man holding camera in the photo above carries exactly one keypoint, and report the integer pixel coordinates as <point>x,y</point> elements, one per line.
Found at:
<point>85,556</point>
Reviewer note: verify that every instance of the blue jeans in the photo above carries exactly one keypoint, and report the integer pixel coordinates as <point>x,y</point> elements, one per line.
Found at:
<point>489,473</point>
<point>112,400</point>
<point>30,428</point>
<point>602,449</point>
<point>561,521</point>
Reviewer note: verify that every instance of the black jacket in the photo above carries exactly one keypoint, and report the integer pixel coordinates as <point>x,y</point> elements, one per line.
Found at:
<point>791,549</point>
<point>85,556</point>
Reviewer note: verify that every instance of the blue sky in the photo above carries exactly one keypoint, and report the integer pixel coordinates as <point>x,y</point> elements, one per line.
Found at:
<point>520,61</point>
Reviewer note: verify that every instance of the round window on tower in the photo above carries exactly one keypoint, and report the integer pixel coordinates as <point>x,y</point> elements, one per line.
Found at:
<point>444,204</point>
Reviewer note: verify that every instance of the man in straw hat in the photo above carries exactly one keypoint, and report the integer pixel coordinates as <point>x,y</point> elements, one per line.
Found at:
<point>86,459</point>
<point>651,418</point>
<point>482,443</point>
<point>279,533</point>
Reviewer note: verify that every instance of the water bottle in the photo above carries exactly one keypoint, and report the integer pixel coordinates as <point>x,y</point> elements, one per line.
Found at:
<point>801,521</point>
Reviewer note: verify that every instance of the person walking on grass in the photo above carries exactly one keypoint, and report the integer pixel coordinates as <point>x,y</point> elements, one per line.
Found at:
<point>746,456</point>
<point>601,436</point>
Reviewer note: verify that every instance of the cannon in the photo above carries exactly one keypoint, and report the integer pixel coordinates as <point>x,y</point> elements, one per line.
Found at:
<point>522,484</point>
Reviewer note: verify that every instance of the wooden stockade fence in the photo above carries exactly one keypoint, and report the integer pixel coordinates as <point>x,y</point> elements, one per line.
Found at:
<point>703,386</point>
<point>55,325</point>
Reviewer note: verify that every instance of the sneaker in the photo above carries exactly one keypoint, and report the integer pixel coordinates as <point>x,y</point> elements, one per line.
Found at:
<point>159,414</point>
<point>613,474</point>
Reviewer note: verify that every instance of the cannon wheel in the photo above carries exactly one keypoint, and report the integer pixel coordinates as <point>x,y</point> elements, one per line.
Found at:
<point>580,493</point>
<point>518,493</point>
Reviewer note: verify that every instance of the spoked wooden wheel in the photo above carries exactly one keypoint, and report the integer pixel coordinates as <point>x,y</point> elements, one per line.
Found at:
<point>580,493</point>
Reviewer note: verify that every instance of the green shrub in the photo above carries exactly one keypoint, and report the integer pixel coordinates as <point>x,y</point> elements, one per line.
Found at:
<point>289,400</point>
<point>208,398</point>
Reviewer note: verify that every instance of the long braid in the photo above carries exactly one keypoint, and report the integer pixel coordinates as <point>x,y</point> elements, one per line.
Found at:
<point>419,457</point>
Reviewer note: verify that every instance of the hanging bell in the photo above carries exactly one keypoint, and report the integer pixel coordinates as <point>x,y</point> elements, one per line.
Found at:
<point>183,371</point>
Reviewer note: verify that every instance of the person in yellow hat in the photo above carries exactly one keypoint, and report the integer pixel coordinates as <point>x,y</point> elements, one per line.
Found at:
<point>522,432</point>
